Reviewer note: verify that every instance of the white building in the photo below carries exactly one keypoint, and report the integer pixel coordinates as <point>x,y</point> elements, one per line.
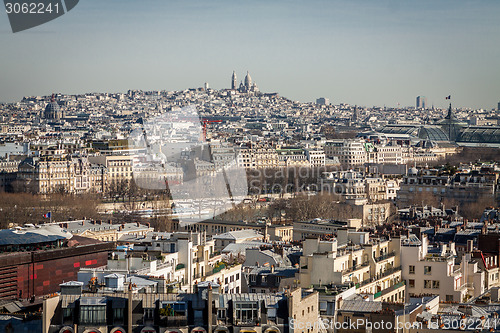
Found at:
<point>349,152</point>
<point>316,157</point>
<point>433,270</point>
<point>373,266</point>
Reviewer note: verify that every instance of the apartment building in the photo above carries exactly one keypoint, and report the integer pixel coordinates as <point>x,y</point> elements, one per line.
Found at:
<point>119,167</point>
<point>203,310</point>
<point>193,259</point>
<point>316,157</point>
<point>372,266</point>
<point>389,154</point>
<point>265,157</point>
<point>349,152</point>
<point>290,157</point>
<point>464,186</point>
<point>257,157</point>
<point>59,174</point>
<point>434,270</point>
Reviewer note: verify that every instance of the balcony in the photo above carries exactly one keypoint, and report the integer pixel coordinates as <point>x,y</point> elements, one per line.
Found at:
<point>355,268</point>
<point>387,272</point>
<point>173,321</point>
<point>390,289</point>
<point>247,322</point>
<point>438,257</point>
<point>385,256</point>
<point>214,254</point>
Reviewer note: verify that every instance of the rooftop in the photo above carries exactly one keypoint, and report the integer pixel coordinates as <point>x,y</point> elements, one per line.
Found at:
<point>33,235</point>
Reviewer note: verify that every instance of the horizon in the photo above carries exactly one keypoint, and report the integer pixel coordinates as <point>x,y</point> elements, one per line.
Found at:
<point>429,107</point>
<point>358,52</point>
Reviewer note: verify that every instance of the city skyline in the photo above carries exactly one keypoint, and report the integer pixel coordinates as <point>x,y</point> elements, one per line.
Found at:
<point>356,53</point>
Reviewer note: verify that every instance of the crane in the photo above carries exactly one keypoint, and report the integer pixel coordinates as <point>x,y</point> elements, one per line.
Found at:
<point>205,122</point>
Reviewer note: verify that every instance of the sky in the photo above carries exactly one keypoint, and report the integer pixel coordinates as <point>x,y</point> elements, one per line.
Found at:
<point>363,52</point>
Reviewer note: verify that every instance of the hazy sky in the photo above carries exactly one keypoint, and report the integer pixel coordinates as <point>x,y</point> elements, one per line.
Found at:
<point>361,52</point>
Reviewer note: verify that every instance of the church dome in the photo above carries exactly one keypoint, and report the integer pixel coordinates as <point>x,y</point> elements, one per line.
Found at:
<point>52,111</point>
<point>248,80</point>
<point>52,107</point>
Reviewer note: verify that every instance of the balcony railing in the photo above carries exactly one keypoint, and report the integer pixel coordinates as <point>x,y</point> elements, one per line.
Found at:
<point>390,289</point>
<point>385,256</point>
<point>379,276</point>
<point>218,268</point>
<point>172,321</point>
<point>214,254</point>
<point>355,268</point>
<point>247,322</point>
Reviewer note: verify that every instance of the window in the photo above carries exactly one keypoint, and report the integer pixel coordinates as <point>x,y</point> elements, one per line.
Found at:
<point>118,314</point>
<point>68,314</point>
<point>435,284</point>
<point>221,314</point>
<point>253,278</point>
<point>449,298</point>
<point>148,314</point>
<point>411,269</point>
<point>237,276</point>
<point>264,279</point>
<point>173,309</point>
<point>427,270</point>
<point>411,283</point>
<point>93,314</point>
<point>427,284</point>
<point>246,312</point>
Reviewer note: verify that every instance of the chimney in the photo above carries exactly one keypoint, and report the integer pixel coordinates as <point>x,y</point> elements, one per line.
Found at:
<point>129,312</point>
<point>340,302</point>
<point>138,225</point>
<point>272,268</point>
<point>470,245</point>
<point>209,301</point>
